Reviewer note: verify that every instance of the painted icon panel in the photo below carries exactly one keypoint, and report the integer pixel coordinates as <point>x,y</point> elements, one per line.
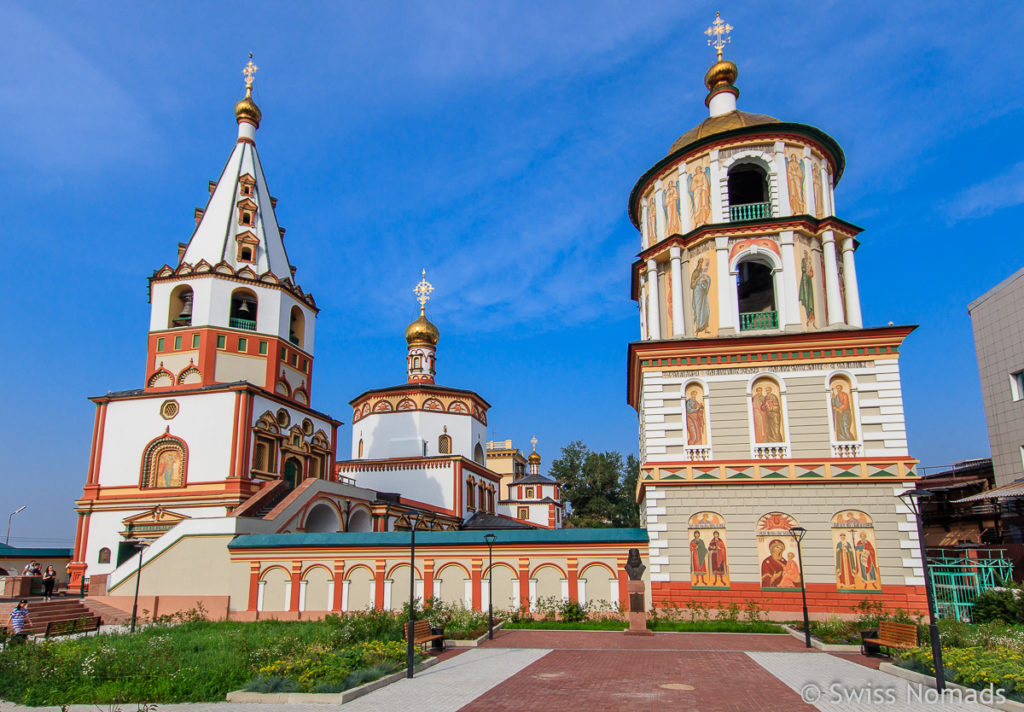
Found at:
<point>844,419</point>
<point>766,402</point>
<point>696,417</point>
<point>856,553</point>
<point>709,557</point>
<point>777,552</point>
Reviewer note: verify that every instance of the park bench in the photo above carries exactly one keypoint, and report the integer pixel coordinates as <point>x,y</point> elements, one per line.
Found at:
<point>78,625</point>
<point>893,635</point>
<point>422,634</point>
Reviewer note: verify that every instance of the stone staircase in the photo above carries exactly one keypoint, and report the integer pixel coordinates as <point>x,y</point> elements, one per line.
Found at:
<point>42,612</point>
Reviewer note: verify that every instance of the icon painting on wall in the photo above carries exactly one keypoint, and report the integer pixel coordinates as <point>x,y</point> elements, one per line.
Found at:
<point>777,552</point>
<point>856,558</point>
<point>709,559</point>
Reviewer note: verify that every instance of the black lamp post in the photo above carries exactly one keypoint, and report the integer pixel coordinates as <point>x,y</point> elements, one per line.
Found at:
<point>19,510</point>
<point>141,544</point>
<point>490,538</point>
<point>911,498</point>
<point>410,630</point>
<point>798,534</point>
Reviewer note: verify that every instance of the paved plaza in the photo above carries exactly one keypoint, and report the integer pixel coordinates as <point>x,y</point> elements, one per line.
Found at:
<point>551,670</point>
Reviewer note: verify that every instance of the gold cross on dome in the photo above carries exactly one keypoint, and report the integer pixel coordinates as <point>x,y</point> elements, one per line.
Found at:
<point>718,34</point>
<point>533,441</point>
<point>248,71</point>
<point>422,292</point>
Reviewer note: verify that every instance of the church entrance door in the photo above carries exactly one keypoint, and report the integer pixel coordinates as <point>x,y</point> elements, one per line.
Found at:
<point>291,473</point>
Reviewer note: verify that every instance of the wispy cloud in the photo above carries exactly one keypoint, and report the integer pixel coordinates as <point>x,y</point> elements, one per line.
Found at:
<point>1005,190</point>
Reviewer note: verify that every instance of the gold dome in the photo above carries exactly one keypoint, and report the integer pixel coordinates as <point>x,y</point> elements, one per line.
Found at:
<point>720,124</point>
<point>721,73</point>
<point>422,331</point>
<point>534,458</point>
<point>246,110</point>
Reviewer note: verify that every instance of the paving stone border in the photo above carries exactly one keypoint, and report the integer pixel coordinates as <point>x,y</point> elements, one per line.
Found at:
<point>324,698</point>
<point>453,643</point>
<point>929,681</point>
<point>823,647</point>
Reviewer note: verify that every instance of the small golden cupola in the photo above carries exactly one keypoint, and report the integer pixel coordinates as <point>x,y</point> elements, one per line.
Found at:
<point>246,110</point>
<point>534,458</point>
<point>422,337</point>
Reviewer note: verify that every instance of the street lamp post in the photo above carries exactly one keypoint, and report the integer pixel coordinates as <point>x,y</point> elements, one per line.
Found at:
<point>490,538</point>
<point>911,498</point>
<point>138,576</point>
<point>798,533</point>
<point>20,509</point>
<point>410,630</point>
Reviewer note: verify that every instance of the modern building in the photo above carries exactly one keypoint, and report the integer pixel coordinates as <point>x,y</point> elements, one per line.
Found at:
<point>764,403</point>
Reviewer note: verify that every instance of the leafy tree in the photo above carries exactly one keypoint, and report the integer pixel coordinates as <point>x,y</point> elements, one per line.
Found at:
<point>598,487</point>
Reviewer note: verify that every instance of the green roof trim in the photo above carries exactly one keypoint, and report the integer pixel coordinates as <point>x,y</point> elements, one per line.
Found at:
<point>17,552</point>
<point>310,540</point>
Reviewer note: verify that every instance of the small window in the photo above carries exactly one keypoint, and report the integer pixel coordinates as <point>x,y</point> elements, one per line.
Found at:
<point>303,366</point>
<point>246,189</point>
<point>246,255</point>
<point>263,348</point>
<point>104,557</point>
<point>470,492</point>
<point>243,344</point>
<point>177,343</point>
<point>415,361</point>
<point>160,344</point>
<point>523,513</point>
<point>295,359</point>
<point>1017,385</point>
<point>247,218</point>
<point>360,448</point>
<point>444,445</point>
<point>529,492</point>
<point>195,341</point>
<point>284,353</point>
<point>221,341</point>
<point>259,457</point>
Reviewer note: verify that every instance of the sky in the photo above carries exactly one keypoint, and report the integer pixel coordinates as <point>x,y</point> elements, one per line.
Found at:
<point>493,144</point>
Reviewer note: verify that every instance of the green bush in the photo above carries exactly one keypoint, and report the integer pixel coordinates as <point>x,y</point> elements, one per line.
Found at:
<point>975,666</point>
<point>1002,604</point>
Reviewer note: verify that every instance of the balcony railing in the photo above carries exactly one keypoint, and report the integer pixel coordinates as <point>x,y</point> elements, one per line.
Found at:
<point>840,449</point>
<point>771,451</point>
<point>247,324</point>
<point>752,321</point>
<point>697,453</point>
<point>750,211</point>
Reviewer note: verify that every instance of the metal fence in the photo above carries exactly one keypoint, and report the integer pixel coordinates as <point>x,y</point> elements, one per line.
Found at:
<point>958,579</point>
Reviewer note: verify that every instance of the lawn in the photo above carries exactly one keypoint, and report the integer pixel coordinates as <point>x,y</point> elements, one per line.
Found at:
<point>197,660</point>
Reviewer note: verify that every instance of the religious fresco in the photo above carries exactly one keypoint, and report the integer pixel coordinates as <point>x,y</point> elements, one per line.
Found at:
<point>698,186</point>
<point>766,404</point>
<point>844,419</point>
<point>652,224</point>
<point>164,464</point>
<point>819,205</point>
<point>806,290</point>
<point>795,180</point>
<point>643,306</point>
<point>673,223</point>
<point>702,295</point>
<point>696,416</point>
<point>777,552</point>
<point>709,558</point>
<point>668,303</point>
<point>856,558</point>
<point>842,284</point>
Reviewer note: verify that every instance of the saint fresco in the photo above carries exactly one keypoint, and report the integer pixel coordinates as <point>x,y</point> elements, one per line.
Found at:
<point>795,181</point>
<point>709,559</point>
<point>696,420</point>
<point>844,425</point>
<point>777,552</point>
<point>700,286</point>
<point>766,404</point>
<point>856,554</point>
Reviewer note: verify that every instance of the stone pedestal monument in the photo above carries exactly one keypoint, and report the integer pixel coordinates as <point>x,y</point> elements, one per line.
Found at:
<point>635,590</point>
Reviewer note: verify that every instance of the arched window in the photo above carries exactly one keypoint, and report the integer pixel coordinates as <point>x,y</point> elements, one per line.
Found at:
<point>360,448</point>
<point>297,327</point>
<point>478,454</point>
<point>416,362</point>
<point>180,307</point>
<point>755,294</point>
<point>856,553</point>
<point>104,557</point>
<point>244,305</point>
<point>164,463</point>
<point>748,193</point>
<point>470,492</point>
<point>444,445</point>
<point>246,254</point>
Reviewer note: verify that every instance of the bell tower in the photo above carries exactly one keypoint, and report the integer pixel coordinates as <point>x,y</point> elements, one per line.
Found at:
<point>764,403</point>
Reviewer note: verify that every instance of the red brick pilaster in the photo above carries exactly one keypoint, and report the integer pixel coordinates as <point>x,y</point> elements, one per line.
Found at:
<point>476,578</point>
<point>524,583</point>
<point>339,583</point>
<point>293,604</point>
<point>428,579</point>
<point>254,585</point>
<point>573,579</point>
<point>378,586</point>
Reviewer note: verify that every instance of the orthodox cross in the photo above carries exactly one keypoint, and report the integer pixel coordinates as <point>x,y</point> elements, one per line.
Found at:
<point>248,71</point>
<point>422,292</point>
<point>533,441</point>
<point>718,34</point>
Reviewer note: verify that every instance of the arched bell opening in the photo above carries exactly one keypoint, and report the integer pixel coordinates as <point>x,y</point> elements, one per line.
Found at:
<point>180,311</point>
<point>244,306</point>
<point>297,327</point>
<point>755,296</point>
<point>748,193</point>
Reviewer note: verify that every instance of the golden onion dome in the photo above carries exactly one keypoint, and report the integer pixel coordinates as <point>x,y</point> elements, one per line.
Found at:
<point>720,124</point>
<point>722,73</point>
<point>534,458</point>
<point>422,331</point>
<point>246,110</point>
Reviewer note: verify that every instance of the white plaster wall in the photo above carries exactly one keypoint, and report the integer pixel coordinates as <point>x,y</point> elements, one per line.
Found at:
<point>285,320</point>
<point>204,422</point>
<point>399,434</point>
<point>428,484</point>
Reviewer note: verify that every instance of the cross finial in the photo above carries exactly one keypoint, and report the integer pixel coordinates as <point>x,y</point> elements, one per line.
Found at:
<point>248,71</point>
<point>718,34</point>
<point>422,292</point>
<point>533,441</point>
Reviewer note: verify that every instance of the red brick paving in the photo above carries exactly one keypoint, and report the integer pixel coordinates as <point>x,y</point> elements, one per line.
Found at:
<point>612,640</point>
<point>870,662</point>
<point>632,679</point>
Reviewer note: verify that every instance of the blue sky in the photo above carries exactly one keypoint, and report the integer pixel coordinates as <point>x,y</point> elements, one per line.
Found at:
<point>494,144</point>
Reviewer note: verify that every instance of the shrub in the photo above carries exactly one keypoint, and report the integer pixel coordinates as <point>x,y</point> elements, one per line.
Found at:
<point>974,666</point>
<point>1000,604</point>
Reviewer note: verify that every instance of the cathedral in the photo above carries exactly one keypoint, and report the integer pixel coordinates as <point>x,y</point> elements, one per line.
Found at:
<point>767,412</point>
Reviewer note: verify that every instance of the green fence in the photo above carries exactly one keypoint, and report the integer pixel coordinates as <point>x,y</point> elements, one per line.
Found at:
<point>958,579</point>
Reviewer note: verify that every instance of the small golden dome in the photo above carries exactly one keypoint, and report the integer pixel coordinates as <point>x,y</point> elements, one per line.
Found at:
<point>722,72</point>
<point>534,458</point>
<point>246,110</point>
<point>422,331</point>
<point>720,124</point>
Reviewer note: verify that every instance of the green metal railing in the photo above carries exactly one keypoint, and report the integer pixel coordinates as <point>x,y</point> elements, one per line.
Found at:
<point>752,321</point>
<point>750,211</point>
<point>958,580</point>
<point>247,324</point>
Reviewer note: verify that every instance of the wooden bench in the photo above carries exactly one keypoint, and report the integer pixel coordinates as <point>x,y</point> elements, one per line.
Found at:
<point>79,625</point>
<point>421,634</point>
<point>894,635</point>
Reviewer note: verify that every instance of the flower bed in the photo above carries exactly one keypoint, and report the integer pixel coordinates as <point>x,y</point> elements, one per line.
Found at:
<point>976,667</point>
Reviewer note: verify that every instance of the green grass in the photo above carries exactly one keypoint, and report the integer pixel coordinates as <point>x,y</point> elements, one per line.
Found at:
<point>716,626</point>
<point>602,624</point>
<point>197,661</point>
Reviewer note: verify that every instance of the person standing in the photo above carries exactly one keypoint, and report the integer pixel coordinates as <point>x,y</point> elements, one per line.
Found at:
<point>32,569</point>
<point>19,619</point>
<point>49,582</point>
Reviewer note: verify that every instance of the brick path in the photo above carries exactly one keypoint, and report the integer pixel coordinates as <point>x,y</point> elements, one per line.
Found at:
<point>612,640</point>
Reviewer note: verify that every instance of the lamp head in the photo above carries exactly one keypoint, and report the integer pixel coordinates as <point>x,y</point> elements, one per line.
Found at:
<point>490,538</point>
<point>912,497</point>
<point>22,508</point>
<point>797,533</point>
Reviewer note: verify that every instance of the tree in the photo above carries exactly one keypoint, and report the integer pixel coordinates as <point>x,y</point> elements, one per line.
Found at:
<point>599,488</point>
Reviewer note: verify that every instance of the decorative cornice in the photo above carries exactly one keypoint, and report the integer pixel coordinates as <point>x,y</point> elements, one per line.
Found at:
<point>224,270</point>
